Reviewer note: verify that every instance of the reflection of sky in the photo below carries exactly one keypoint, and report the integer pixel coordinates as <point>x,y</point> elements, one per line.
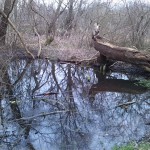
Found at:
<point>119,76</point>
<point>101,123</point>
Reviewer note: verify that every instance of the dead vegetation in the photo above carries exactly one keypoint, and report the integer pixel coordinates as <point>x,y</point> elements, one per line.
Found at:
<point>61,48</point>
<point>63,30</point>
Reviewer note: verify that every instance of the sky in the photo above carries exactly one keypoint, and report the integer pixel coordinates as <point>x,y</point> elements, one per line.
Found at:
<point>114,1</point>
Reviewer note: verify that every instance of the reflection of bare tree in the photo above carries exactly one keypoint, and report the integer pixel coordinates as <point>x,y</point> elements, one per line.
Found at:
<point>13,102</point>
<point>118,85</point>
<point>71,130</point>
<point>68,120</point>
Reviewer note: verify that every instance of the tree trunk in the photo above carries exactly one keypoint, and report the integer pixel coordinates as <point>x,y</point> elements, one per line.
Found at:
<point>125,54</point>
<point>51,28</point>
<point>8,7</point>
<point>70,16</point>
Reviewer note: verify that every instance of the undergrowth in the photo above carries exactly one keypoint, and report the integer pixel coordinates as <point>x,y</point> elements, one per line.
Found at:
<point>134,146</point>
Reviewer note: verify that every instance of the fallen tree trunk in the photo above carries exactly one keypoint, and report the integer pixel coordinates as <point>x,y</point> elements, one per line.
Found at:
<point>125,54</point>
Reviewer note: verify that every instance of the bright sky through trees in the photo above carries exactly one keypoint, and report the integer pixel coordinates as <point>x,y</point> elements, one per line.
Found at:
<point>113,1</point>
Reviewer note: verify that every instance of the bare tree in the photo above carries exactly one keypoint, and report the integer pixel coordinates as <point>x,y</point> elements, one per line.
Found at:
<point>57,13</point>
<point>8,7</point>
<point>138,18</point>
<point>70,15</point>
<point>50,21</point>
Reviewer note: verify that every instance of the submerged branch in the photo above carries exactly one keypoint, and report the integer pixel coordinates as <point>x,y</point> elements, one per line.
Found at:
<point>44,114</point>
<point>126,104</point>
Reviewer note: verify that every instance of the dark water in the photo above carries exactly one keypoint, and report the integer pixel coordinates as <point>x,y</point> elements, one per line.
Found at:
<point>84,111</point>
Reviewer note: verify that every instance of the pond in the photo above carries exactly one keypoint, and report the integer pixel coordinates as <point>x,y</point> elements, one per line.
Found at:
<point>52,106</point>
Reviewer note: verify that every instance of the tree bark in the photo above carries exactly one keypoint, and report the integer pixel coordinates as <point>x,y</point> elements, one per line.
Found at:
<point>125,54</point>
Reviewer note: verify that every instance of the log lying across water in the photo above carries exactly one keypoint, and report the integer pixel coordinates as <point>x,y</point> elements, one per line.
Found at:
<point>125,54</point>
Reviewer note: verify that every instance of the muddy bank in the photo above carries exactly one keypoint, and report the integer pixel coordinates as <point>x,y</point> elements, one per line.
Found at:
<point>87,57</point>
<point>77,56</point>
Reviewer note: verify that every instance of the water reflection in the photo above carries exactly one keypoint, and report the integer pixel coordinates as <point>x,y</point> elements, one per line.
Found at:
<point>45,105</point>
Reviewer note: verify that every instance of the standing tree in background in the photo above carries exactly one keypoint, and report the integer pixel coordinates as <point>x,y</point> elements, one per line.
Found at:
<point>57,13</point>
<point>8,7</point>
<point>70,16</point>
<point>138,18</point>
<point>51,19</point>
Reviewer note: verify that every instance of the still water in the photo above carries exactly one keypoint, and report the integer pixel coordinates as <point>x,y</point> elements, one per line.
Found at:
<point>52,106</point>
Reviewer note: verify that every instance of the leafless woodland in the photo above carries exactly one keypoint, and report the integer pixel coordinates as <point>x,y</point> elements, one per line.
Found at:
<point>69,23</point>
<point>63,106</point>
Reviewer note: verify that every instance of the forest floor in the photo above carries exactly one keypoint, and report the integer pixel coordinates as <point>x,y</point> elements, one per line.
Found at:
<point>62,48</point>
<point>73,48</point>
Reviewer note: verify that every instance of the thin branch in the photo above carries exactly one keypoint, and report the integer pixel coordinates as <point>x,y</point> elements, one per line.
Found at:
<point>12,6</point>
<point>126,104</point>
<point>35,11</point>
<point>44,114</point>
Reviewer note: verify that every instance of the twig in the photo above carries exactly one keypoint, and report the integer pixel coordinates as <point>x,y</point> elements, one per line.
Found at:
<point>18,33</point>
<point>126,104</point>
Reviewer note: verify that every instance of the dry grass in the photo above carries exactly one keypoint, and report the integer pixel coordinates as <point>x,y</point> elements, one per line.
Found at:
<point>74,47</point>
